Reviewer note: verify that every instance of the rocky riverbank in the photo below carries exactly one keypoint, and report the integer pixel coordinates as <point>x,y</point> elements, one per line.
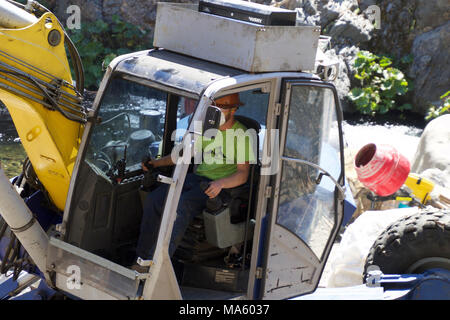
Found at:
<point>404,28</point>
<point>415,28</point>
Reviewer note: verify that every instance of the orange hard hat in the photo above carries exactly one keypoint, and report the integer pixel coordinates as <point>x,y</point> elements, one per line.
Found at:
<point>229,101</point>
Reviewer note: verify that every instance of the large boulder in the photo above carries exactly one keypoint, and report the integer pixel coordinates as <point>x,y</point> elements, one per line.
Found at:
<point>337,18</point>
<point>355,28</point>
<point>431,67</point>
<point>432,158</point>
<point>430,15</point>
<point>404,20</point>
<point>420,28</point>
<point>397,20</point>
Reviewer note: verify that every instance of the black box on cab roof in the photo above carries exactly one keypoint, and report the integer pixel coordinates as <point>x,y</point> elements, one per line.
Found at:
<point>249,12</point>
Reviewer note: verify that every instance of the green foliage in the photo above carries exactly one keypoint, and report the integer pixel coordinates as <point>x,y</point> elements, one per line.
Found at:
<point>381,84</point>
<point>98,43</point>
<point>434,112</point>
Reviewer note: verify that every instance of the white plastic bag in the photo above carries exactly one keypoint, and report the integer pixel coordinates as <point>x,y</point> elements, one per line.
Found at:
<point>346,262</point>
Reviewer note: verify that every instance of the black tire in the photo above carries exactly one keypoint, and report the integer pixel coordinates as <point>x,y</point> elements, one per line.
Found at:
<point>413,244</point>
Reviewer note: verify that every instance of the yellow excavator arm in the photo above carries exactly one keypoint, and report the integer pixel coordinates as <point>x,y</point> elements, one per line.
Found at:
<point>36,87</point>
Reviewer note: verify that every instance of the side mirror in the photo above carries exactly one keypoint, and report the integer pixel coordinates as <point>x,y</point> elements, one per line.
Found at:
<point>212,119</point>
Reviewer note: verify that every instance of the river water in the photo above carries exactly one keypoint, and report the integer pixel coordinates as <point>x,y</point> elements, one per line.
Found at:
<point>12,153</point>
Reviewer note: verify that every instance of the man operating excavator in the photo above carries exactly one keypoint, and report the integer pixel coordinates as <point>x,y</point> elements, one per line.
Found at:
<point>217,170</point>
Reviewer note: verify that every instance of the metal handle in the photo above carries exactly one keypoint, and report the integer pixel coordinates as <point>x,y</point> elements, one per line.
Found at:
<point>341,188</point>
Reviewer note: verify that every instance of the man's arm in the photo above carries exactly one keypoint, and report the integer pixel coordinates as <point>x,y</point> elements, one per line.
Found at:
<point>236,179</point>
<point>161,162</point>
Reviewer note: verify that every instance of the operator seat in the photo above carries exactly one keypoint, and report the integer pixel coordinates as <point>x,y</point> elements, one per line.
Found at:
<point>249,124</point>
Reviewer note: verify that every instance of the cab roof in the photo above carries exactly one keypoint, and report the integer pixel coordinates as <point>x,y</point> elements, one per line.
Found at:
<point>174,70</point>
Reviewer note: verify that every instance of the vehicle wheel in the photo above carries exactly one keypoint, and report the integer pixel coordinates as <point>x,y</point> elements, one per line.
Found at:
<point>413,244</point>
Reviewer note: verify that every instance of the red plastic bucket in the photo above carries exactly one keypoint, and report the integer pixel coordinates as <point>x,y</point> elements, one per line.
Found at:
<point>381,168</point>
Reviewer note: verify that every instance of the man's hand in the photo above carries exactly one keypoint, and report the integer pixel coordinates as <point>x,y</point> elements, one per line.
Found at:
<point>214,189</point>
<point>160,162</point>
<point>146,164</point>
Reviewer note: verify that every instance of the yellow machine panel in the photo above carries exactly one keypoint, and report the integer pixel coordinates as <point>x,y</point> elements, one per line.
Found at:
<point>420,187</point>
<point>36,87</point>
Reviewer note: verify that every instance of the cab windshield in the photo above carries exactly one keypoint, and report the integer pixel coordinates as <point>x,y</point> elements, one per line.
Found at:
<point>135,120</point>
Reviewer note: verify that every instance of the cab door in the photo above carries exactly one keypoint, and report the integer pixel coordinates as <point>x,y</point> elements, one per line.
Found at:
<point>307,200</point>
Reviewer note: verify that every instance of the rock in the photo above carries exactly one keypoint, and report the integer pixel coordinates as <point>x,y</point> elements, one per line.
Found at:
<point>111,8</point>
<point>421,28</point>
<point>441,180</point>
<point>310,8</point>
<point>342,82</point>
<point>348,54</point>
<point>353,27</point>
<point>323,12</point>
<point>90,10</point>
<point>394,37</point>
<point>345,80</point>
<point>50,4</point>
<point>432,158</point>
<point>431,67</point>
<point>364,4</point>
<point>431,16</point>
<point>329,13</point>
<point>141,13</point>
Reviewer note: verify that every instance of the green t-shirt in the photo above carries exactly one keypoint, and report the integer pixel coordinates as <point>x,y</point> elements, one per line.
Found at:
<point>229,148</point>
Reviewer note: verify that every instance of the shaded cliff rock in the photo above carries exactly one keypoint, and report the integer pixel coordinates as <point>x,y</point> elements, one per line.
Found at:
<point>420,28</point>
<point>431,67</point>
<point>433,151</point>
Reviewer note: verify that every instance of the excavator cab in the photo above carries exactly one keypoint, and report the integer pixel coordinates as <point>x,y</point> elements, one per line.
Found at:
<point>271,237</point>
<point>290,207</point>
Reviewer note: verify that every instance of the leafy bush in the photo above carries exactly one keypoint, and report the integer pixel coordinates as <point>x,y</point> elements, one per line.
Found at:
<point>98,43</point>
<point>434,112</point>
<point>381,84</point>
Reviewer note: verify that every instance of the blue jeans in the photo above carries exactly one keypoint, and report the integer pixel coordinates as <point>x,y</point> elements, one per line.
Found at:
<point>192,202</point>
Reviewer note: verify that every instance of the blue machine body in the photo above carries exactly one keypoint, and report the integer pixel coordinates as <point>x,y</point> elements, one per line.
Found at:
<point>433,284</point>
